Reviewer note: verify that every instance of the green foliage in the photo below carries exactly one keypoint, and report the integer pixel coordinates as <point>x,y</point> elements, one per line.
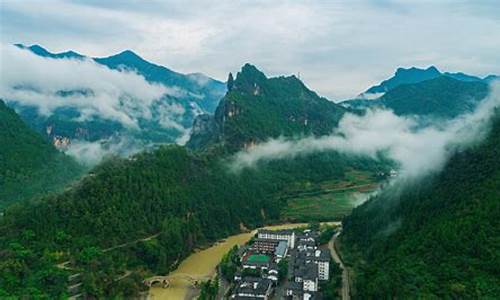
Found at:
<point>29,165</point>
<point>442,97</point>
<point>326,234</point>
<point>438,238</point>
<point>209,290</point>
<point>330,289</point>
<point>229,264</point>
<point>282,269</point>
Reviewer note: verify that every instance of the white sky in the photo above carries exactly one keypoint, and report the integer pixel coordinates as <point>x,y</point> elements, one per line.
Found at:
<point>340,48</point>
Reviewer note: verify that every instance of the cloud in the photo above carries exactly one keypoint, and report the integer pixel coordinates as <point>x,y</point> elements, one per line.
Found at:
<point>93,89</point>
<point>340,48</point>
<point>417,150</point>
<point>92,153</point>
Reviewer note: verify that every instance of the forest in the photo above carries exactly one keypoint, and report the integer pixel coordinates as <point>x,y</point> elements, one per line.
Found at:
<point>436,238</point>
<point>29,164</point>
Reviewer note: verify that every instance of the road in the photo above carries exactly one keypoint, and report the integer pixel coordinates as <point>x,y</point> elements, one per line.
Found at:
<point>346,295</point>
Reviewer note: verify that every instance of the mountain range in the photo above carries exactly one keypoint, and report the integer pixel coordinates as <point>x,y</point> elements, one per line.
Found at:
<point>436,238</point>
<point>441,97</point>
<point>167,119</point>
<point>415,75</point>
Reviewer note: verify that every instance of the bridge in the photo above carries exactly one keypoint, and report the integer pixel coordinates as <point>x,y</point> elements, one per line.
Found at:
<point>165,281</point>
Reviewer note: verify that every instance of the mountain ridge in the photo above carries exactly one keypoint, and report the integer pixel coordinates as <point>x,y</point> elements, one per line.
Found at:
<point>415,75</point>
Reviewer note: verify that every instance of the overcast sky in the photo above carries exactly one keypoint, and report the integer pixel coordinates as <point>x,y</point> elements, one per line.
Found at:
<point>339,47</point>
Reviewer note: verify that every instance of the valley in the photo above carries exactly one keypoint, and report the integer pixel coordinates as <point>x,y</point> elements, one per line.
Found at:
<point>412,177</point>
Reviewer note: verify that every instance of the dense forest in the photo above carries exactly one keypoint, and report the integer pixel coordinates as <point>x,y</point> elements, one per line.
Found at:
<point>437,238</point>
<point>183,199</point>
<point>29,165</point>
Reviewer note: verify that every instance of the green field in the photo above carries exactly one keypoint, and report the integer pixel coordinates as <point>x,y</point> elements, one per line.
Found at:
<point>329,200</point>
<point>258,258</point>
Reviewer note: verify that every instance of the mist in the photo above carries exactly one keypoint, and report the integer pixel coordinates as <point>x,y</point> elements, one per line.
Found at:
<point>95,90</point>
<point>417,150</point>
<point>92,153</point>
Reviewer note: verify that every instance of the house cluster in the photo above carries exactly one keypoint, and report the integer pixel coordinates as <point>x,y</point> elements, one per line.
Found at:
<point>260,260</point>
<point>308,266</point>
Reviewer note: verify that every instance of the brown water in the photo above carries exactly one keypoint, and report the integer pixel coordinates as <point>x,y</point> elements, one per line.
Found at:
<point>203,263</point>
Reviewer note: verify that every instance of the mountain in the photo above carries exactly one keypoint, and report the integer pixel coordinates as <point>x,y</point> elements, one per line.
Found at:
<point>169,118</point>
<point>434,239</point>
<point>205,91</point>
<point>404,76</point>
<point>416,75</point>
<point>40,51</point>
<point>257,108</point>
<point>29,165</point>
<point>441,97</point>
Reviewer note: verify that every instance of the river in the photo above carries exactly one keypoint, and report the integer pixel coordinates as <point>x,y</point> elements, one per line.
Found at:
<point>203,263</point>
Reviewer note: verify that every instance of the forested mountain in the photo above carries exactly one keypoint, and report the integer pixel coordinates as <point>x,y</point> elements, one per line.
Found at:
<point>257,108</point>
<point>415,75</point>
<point>442,97</point>
<point>181,198</point>
<point>433,239</point>
<point>404,76</point>
<point>168,119</point>
<point>29,165</point>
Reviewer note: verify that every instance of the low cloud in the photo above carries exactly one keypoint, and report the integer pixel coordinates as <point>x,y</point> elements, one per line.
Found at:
<point>417,150</point>
<point>92,153</point>
<point>93,89</point>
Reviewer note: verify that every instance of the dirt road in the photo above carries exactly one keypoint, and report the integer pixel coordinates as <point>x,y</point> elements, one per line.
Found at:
<point>346,295</point>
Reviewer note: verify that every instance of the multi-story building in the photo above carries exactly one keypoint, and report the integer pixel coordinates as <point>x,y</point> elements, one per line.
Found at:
<point>282,235</point>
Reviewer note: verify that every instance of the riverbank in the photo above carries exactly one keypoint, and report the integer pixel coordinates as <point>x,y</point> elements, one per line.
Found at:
<point>204,262</point>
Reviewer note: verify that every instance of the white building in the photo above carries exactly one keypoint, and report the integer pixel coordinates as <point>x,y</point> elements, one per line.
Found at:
<point>282,235</point>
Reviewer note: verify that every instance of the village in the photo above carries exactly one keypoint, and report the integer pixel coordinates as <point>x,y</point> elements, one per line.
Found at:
<point>278,264</point>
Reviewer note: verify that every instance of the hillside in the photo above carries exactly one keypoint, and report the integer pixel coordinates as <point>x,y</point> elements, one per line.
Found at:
<point>188,199</point>
<point>433,239</point>
<point>257,108</point>
<point>442,97</point>
<point>29,165</point>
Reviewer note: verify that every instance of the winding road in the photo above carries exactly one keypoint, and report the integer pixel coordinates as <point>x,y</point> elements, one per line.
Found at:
<point>346,295</point>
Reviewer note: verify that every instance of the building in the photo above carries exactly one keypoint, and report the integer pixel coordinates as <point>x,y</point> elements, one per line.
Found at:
<point>263,245</point>
<point>282,235</point>
<point>320,257</point>
<point>253,288</point>
<point>281,251</point>
<point>273,273</point>
<point>307,274</point>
